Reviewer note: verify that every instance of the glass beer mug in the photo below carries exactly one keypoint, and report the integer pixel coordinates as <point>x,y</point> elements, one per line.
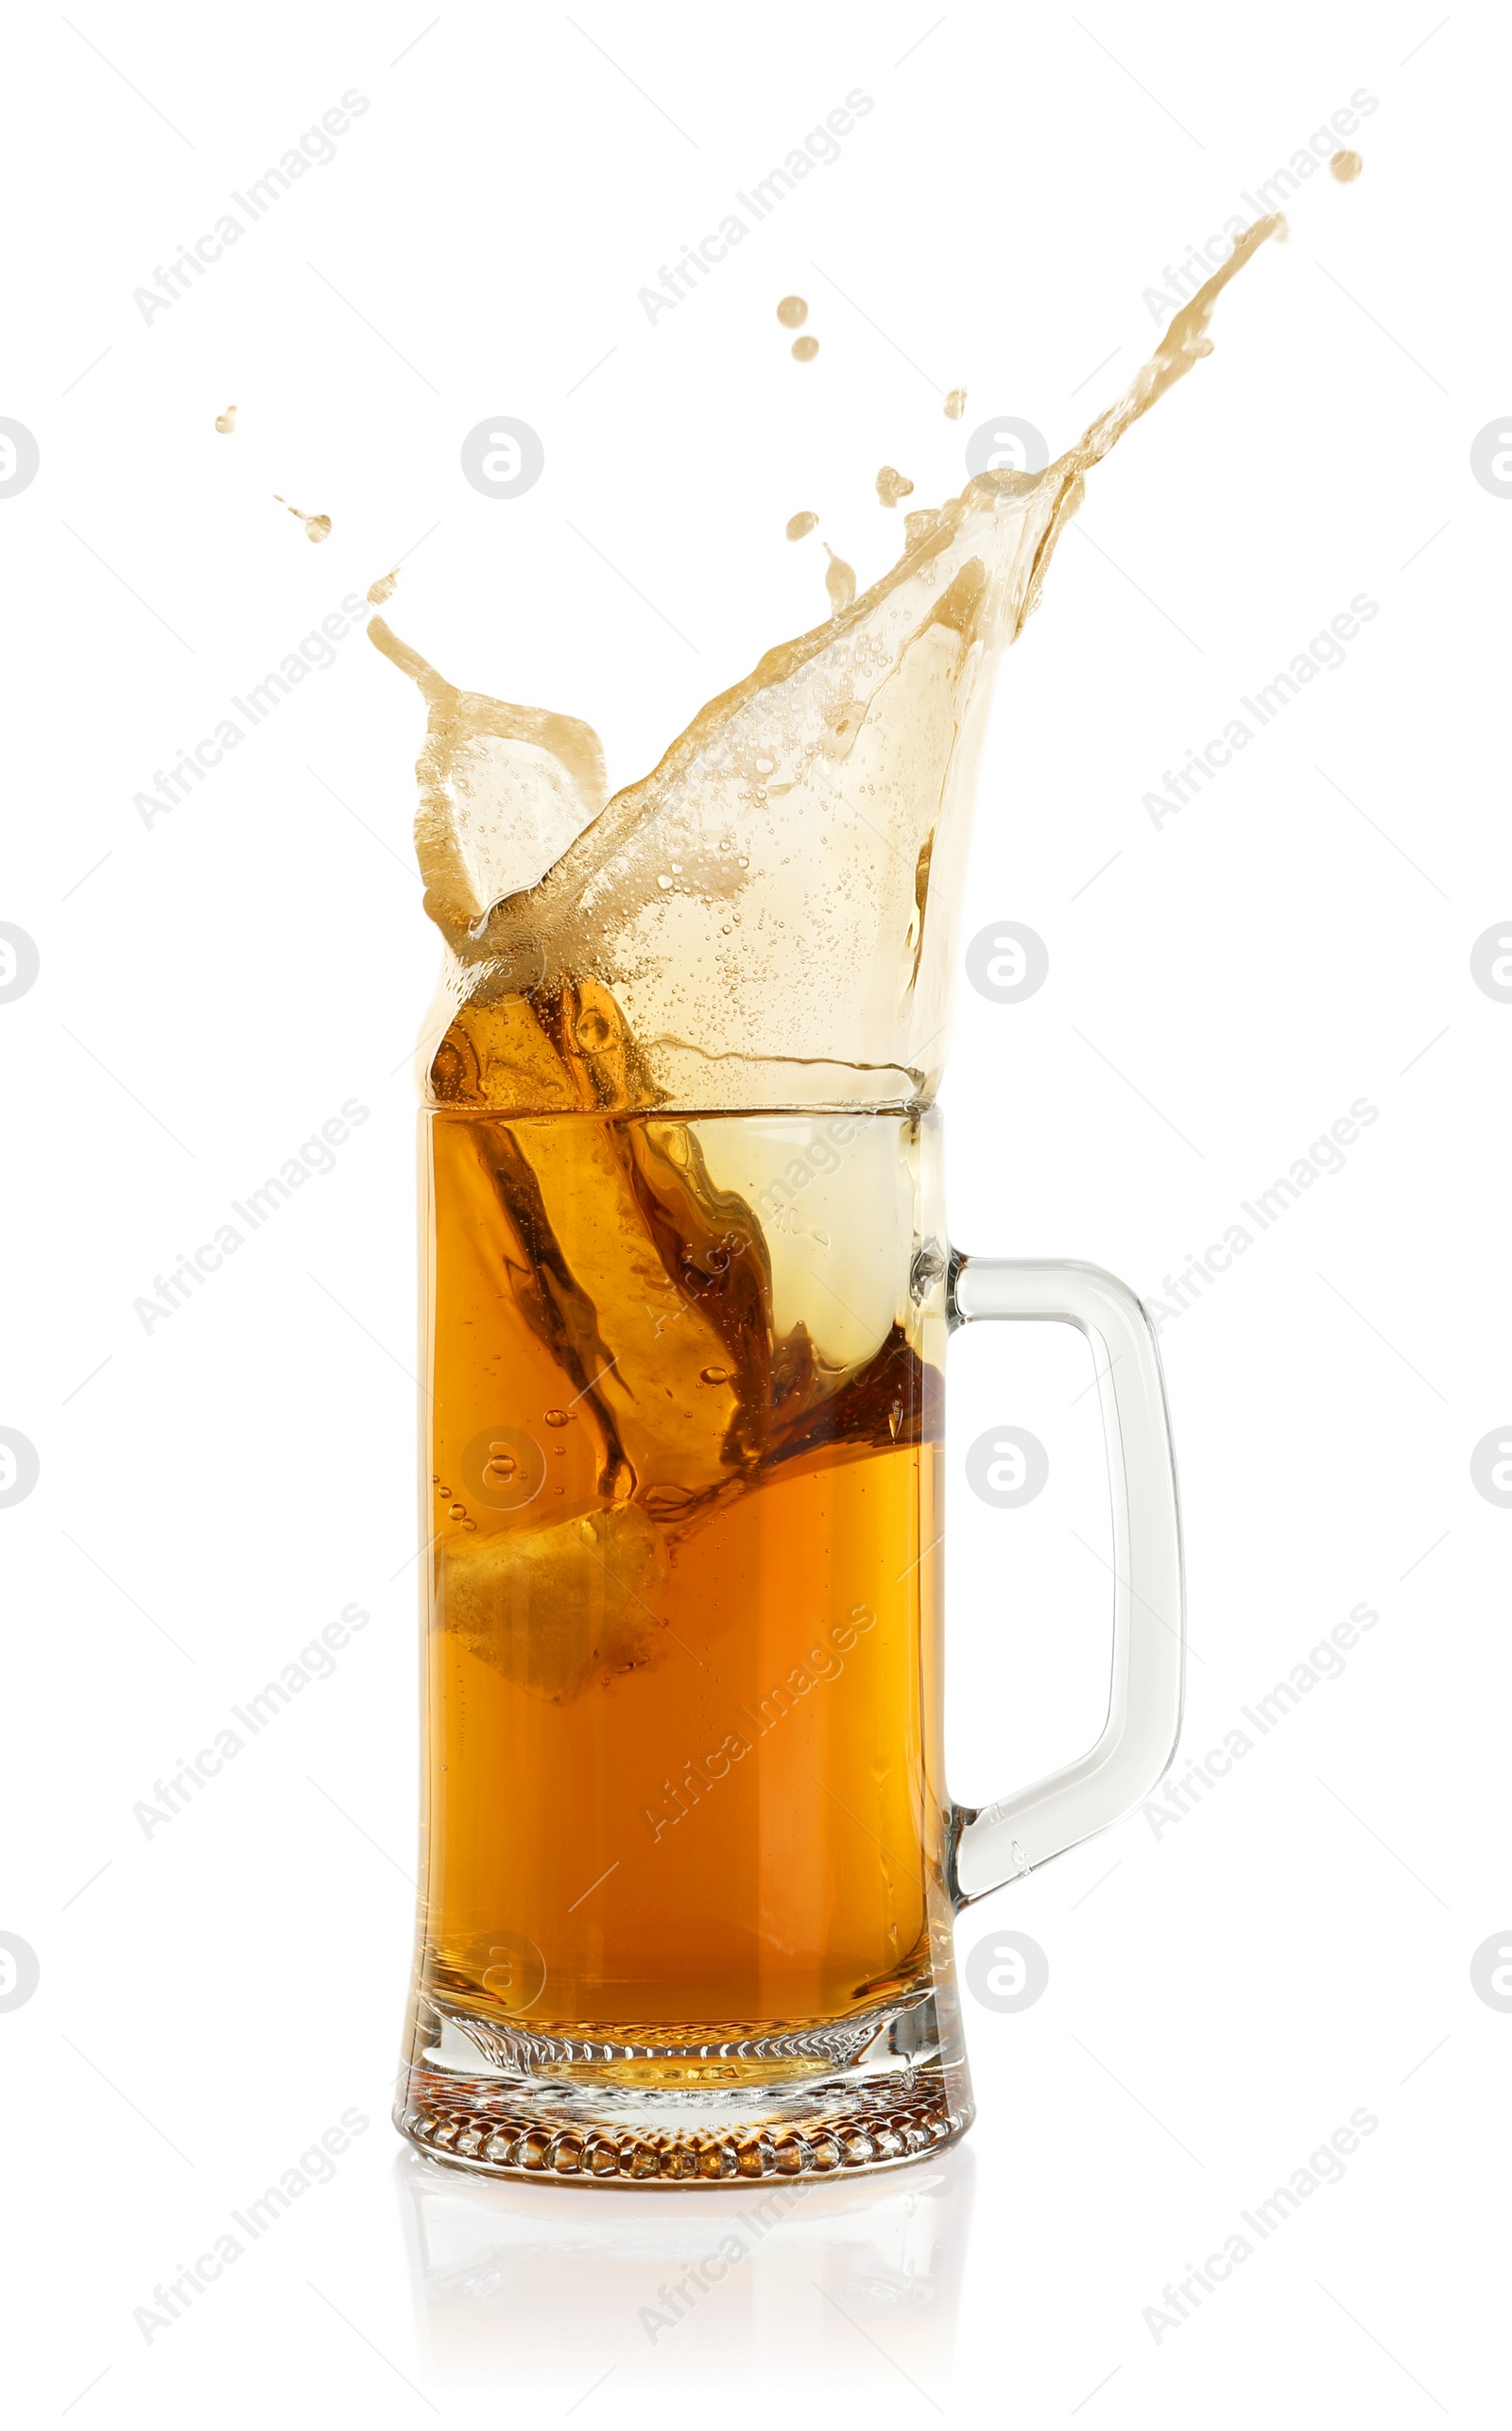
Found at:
<point>690,1864</point>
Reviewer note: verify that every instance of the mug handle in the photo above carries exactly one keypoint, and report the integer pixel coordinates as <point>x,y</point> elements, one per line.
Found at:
<point>991,1845</point>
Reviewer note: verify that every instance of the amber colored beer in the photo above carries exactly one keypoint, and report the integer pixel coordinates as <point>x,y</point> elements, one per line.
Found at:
<point>681,1670</point>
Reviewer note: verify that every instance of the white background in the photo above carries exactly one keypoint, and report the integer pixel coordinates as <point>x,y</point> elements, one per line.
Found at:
<point>1224,1992</point>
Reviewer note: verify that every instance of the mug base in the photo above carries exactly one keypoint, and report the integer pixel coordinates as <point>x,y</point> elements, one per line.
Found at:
<point>609,2136</point>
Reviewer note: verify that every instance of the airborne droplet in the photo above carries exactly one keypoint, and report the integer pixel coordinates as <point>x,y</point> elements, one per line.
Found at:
<point>799,524</point>
<point>317,528</point>
<point>793,312</point>
<point>839,581</point>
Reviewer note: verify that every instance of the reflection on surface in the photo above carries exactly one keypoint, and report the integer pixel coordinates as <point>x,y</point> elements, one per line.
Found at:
<point>859,2282</point>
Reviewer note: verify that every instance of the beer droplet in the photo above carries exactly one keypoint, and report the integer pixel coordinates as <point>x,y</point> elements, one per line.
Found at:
<point>793,312</point>
<point>384,588</point>
<point>892,485</point>
<point>317,528</point>
<point>1346,166</point>
<point>839,581</point>
<point>805,349</point>
<point>226,422</point>
<point>798,524</point>
<point>955,404</point>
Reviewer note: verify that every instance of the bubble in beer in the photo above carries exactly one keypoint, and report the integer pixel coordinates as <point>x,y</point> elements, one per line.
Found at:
<point>839,581</point>
<point>893,485</point>
<point>793,312</point>
<point>1346,166</point>
<point>226,422</point>
<point>955,404</point>
<point>805,349</point>
<point>384,588</point>
<point>714,1376</point>
<point>555,1418</point>
<point>797,525</point>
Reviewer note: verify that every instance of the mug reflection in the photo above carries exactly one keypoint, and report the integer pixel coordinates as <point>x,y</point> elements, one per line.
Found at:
<point>857,2281</point>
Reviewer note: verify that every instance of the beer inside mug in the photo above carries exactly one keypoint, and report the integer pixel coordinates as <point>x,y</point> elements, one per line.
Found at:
<point>682,1670</point>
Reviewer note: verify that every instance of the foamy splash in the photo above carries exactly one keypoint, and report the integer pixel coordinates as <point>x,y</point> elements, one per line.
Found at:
<point>768,919</point>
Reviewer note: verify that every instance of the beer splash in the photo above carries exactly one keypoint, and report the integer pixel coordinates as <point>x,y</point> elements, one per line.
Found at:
<point>955,404</point>
<point>1346,166</point>
<point>839,581</point>
<point>317,528</point>
<point>799,525</point>
<point>893,485</point>
<point>804,349</point>
<point>226,422</point>
<point>767,918</point>
<point>384,588</point>
<point>623,1263</point>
